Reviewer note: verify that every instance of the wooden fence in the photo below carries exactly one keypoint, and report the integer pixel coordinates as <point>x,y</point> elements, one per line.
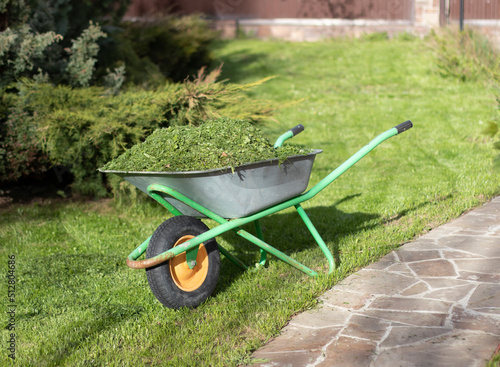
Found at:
<point>270,9</point>
<point>474,9</point>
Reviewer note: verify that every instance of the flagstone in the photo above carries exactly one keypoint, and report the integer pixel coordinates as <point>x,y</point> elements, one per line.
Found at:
<point>294,338</point>
<point>448,350</point>
<point>486,266</point>
<point>410,318</point>
<point>417,255</point>
<point>486,296</point>
<point>384,262</point>
<point>434,268</point>
<point>462,318</point>
<point>434,302</point>
<point>410,304</point>
<point>349,352</point>
<point>476,245</point>
<point>454,294</point>
<point>480,277</point>
<point>323,316</point>
<point>480,222</point>
<point>437,233</point>
<point>401,268</point>
<point>407,335</point>
<point>346,299</point>
<point>299,358</point>
<point>423,244</point>
<point>415,289</point>
<point>376,282</point>
<point>438,283</point>
<point>365,327</point>
<point>457,254</point>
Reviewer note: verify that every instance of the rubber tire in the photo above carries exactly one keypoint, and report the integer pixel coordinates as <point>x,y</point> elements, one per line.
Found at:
<point>159,277</point>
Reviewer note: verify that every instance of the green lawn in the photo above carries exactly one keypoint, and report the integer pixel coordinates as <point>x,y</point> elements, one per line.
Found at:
<point>78,304</point>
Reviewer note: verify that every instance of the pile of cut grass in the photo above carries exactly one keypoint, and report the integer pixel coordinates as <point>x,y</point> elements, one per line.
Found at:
<point>214,144</point>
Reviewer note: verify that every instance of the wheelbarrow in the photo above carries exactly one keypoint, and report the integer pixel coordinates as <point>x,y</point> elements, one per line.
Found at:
<point>182,259</point>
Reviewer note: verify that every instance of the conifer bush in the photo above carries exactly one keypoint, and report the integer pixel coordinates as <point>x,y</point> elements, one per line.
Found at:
<point>170,48</point>
<point>62,43</point>
<point>83,128</point>
<point>23,56</point>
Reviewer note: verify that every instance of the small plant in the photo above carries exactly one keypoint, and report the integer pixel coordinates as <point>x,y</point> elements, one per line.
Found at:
<point>375,36</point>
<point>47,43</point>
<point>469,56</point>
<point>463,55</point>
<point>12,13</point>
<point>406,36</point>
<point>20,50</point>
<point>82,56</point>
<point>495,360</point>
<point>114,80</point>
<point>493,131</point>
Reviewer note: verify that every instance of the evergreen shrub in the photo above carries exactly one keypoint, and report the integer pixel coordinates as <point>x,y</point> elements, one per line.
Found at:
<point>60,43</point>
<point>55,38</point>
<point>20,149</point>
<point>83,128</point>
<point>169,48</point>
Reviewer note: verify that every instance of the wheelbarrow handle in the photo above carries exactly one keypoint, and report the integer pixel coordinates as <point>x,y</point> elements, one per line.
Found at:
<point>297,129</point>
<point>402,127</point>
<point>396,130</point>
<point>289,134</point>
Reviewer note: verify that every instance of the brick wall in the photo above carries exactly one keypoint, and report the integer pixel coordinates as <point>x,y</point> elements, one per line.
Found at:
<point>427,13</point>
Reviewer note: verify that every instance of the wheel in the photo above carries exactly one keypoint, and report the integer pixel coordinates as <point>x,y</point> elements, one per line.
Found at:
<point>173,283</point>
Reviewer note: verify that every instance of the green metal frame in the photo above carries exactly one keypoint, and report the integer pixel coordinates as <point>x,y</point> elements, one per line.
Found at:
<point>191,246</point>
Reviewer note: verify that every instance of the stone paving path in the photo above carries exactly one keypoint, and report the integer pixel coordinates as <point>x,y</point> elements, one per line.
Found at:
<point>432,302</point>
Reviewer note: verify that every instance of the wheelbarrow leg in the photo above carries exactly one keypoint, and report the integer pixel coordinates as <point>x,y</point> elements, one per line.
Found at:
<point>273,251</point>
<point>317,237</point>
<point>232,258</point>
<point>260,235</point>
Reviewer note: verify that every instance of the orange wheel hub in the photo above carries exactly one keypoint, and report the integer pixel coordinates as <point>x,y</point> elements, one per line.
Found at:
<point>185,278</point>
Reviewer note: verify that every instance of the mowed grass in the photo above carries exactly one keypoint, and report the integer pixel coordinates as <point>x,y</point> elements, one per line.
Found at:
<point>78,304</point>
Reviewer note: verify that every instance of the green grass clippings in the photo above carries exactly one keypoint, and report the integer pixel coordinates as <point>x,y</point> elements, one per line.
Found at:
<point>215,144</point>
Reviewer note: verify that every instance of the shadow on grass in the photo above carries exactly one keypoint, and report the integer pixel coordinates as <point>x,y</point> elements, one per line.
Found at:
<point>65,292</point>
<point>284,231</point>
<point>242,64</point>
<point>78,333</point>
<point>405,212</point>
<point>288,233</point>
<point>64,266</point>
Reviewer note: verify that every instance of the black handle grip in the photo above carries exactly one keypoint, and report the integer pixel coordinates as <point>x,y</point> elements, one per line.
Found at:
<point>297,129</point>
<point>404,126</point>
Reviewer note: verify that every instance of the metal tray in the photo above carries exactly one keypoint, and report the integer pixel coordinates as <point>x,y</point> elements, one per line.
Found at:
<point>249,189</point>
